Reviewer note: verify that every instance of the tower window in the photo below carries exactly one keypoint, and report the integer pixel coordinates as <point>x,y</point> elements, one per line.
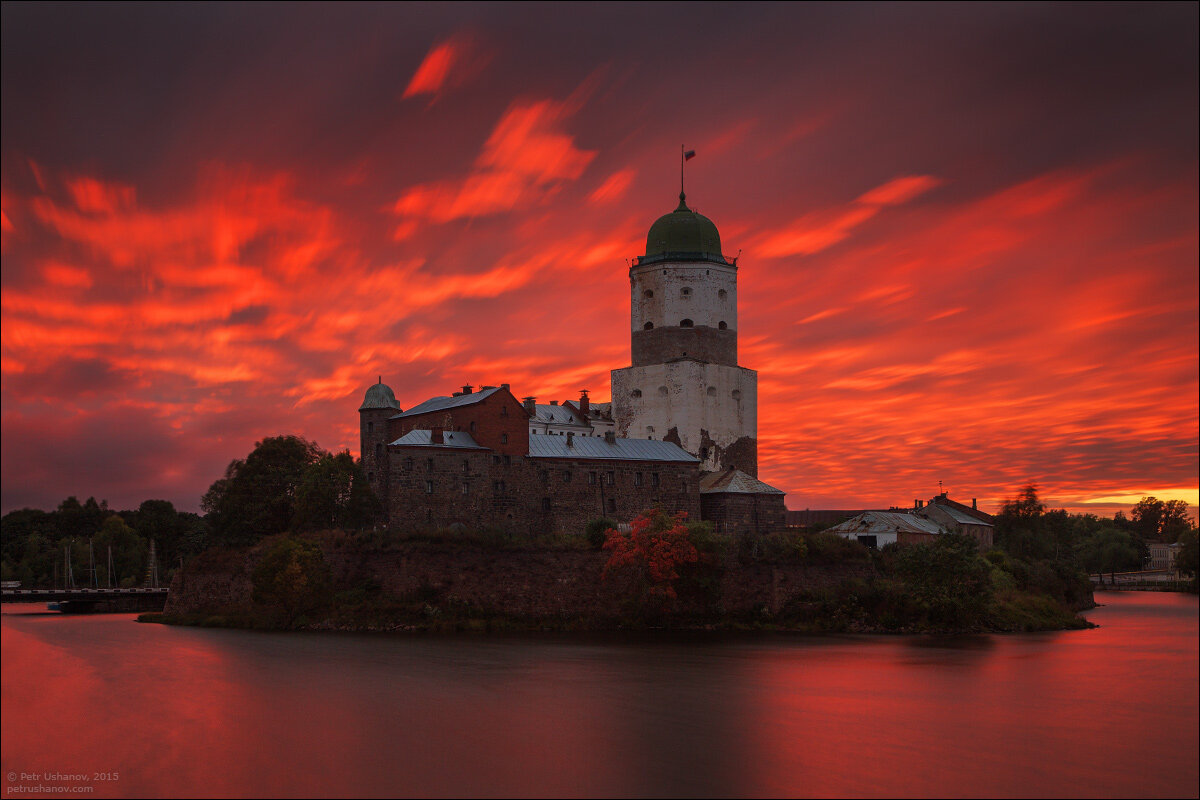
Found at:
<point>649,326</point>
<point>686,291</point>
<point>636,393</point>
<point>722,294</point>
<point>504,438</point>
<point>466,467</point>
<point>370,427</point>
<point>722,325</point>
<point>737,394</point>
<point>428,487</point>
<point>545,504</point>
<point>648,294</point>
<point>662,391</point>
<point>712,391</point>
<point>685,323</point>
<point>472,427</point>
<point>379,449</point>
<point>466,488</point>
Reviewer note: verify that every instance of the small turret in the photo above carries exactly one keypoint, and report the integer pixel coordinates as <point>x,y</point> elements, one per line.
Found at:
<point>378,406</point>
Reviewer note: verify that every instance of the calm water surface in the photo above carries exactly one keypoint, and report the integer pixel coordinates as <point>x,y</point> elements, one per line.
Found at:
<point>184,712</point>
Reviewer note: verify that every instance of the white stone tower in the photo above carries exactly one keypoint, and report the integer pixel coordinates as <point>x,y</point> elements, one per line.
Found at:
<point>685,385</point>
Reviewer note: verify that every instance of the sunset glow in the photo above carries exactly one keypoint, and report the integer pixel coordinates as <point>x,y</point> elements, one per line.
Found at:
<point>968,235</point>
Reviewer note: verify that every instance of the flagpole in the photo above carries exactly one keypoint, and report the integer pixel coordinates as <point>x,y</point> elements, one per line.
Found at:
<point>681,160</point>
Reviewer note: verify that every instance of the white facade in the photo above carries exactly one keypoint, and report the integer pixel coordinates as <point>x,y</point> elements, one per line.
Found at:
<point>666,294</point>
<point>707,406</point>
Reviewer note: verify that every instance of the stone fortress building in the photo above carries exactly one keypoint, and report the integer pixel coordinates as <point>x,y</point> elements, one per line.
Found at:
<point>680,432</point>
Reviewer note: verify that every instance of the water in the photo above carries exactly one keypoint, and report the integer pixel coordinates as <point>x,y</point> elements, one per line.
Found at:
<point>183,712</point>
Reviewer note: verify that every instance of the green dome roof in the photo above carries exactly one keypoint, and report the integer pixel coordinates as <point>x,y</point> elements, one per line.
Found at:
<point>683,231</point>
<point>380,395</point>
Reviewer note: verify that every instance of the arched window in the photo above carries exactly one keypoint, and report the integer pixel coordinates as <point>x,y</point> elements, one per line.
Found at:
<point>649,326</point>
<point>648,294</point>
<point>685,323</point>
<point>379,449</point>
<point>722,294</point>
<point>636,393</point>
<point>686,291</point>
<point>662,391</point>
<point>737,394</point>
<point>712,391</point>
<point>722,326</point>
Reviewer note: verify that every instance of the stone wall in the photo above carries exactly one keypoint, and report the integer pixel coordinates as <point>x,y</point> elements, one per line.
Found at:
<point>735,513</point>
<point>437,487</point>
<point>711,345</point>
<point>527,584</point>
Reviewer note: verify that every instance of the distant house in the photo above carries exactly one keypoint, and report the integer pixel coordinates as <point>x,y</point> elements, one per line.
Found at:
<point>881,528</point>
<point>1163,555</point>
<point>957,518</point>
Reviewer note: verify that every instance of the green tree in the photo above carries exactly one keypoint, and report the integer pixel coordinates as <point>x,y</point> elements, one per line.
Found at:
<point>129,553</point>
<point>1187,560</point>
<point>334,493</point>
<point>1160,521</point>
<point>292,579</point>
<point>948,577</point>
<point>257,496</point>
<point>1110,550</point>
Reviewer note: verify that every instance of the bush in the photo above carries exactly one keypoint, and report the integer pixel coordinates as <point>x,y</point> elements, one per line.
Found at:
<point>829,548</point>
<point>596,530</point>
<point>293,579</point>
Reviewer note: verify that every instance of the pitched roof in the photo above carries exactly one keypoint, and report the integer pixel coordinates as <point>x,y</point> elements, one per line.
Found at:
<point>959,516</point>
<point>443,403</point>
<point>558,415</point>
<point>597,447</point>
<point>423,438</point>
<point>734,481</point>
<point>886,522</point>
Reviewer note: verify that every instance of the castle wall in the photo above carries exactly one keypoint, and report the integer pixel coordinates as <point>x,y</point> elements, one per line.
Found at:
<point>737,513</point>
<point>436,487</point>
<point>710,345</point>
<point>710,410</point>
<point>665,293</point>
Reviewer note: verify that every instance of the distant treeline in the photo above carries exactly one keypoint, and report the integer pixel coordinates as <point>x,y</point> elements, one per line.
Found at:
<point>37,545</point>
<point>285,484</point>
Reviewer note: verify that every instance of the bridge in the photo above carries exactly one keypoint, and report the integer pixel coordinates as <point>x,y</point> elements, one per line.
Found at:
<point>84,600</point>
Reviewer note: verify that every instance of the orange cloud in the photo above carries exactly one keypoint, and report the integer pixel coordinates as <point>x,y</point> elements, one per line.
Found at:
<point>525,158</point>
<point>819,230</point>
<point>432,72</point>
<point>613,188</point>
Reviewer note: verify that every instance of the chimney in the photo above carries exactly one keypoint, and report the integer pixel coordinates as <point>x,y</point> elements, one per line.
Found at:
<point>504,386</point>
<point>530,404</point>
<point>570,439</point>
<point>610,437</point>
<point>435,436</point>
<point>974,504</point>
<point>584,405</point>
<point>553,402</point>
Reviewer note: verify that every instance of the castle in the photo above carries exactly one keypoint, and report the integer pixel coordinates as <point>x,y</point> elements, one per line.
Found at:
<point>681,432</point>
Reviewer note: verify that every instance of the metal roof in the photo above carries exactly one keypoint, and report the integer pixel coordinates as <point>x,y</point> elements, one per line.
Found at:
<point>379,395</point>
<point>887,522</point>
<point>422,438</point>
<point>558,415</point>
<point>442,403</point>
<point>959,516</point>
<point>734,481</point>
<point>597,447</point>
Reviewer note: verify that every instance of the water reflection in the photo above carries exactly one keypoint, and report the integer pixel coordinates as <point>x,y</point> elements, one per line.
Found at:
<point>233,713</point>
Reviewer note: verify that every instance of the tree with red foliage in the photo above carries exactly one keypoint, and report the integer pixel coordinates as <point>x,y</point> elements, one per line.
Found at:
<point>654,549</point>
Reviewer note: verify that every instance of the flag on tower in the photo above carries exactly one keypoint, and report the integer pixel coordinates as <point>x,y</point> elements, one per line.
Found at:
<point>690,154</point>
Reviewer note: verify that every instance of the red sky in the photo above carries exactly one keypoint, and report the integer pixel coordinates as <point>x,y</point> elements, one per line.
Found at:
<point>968,234</point>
